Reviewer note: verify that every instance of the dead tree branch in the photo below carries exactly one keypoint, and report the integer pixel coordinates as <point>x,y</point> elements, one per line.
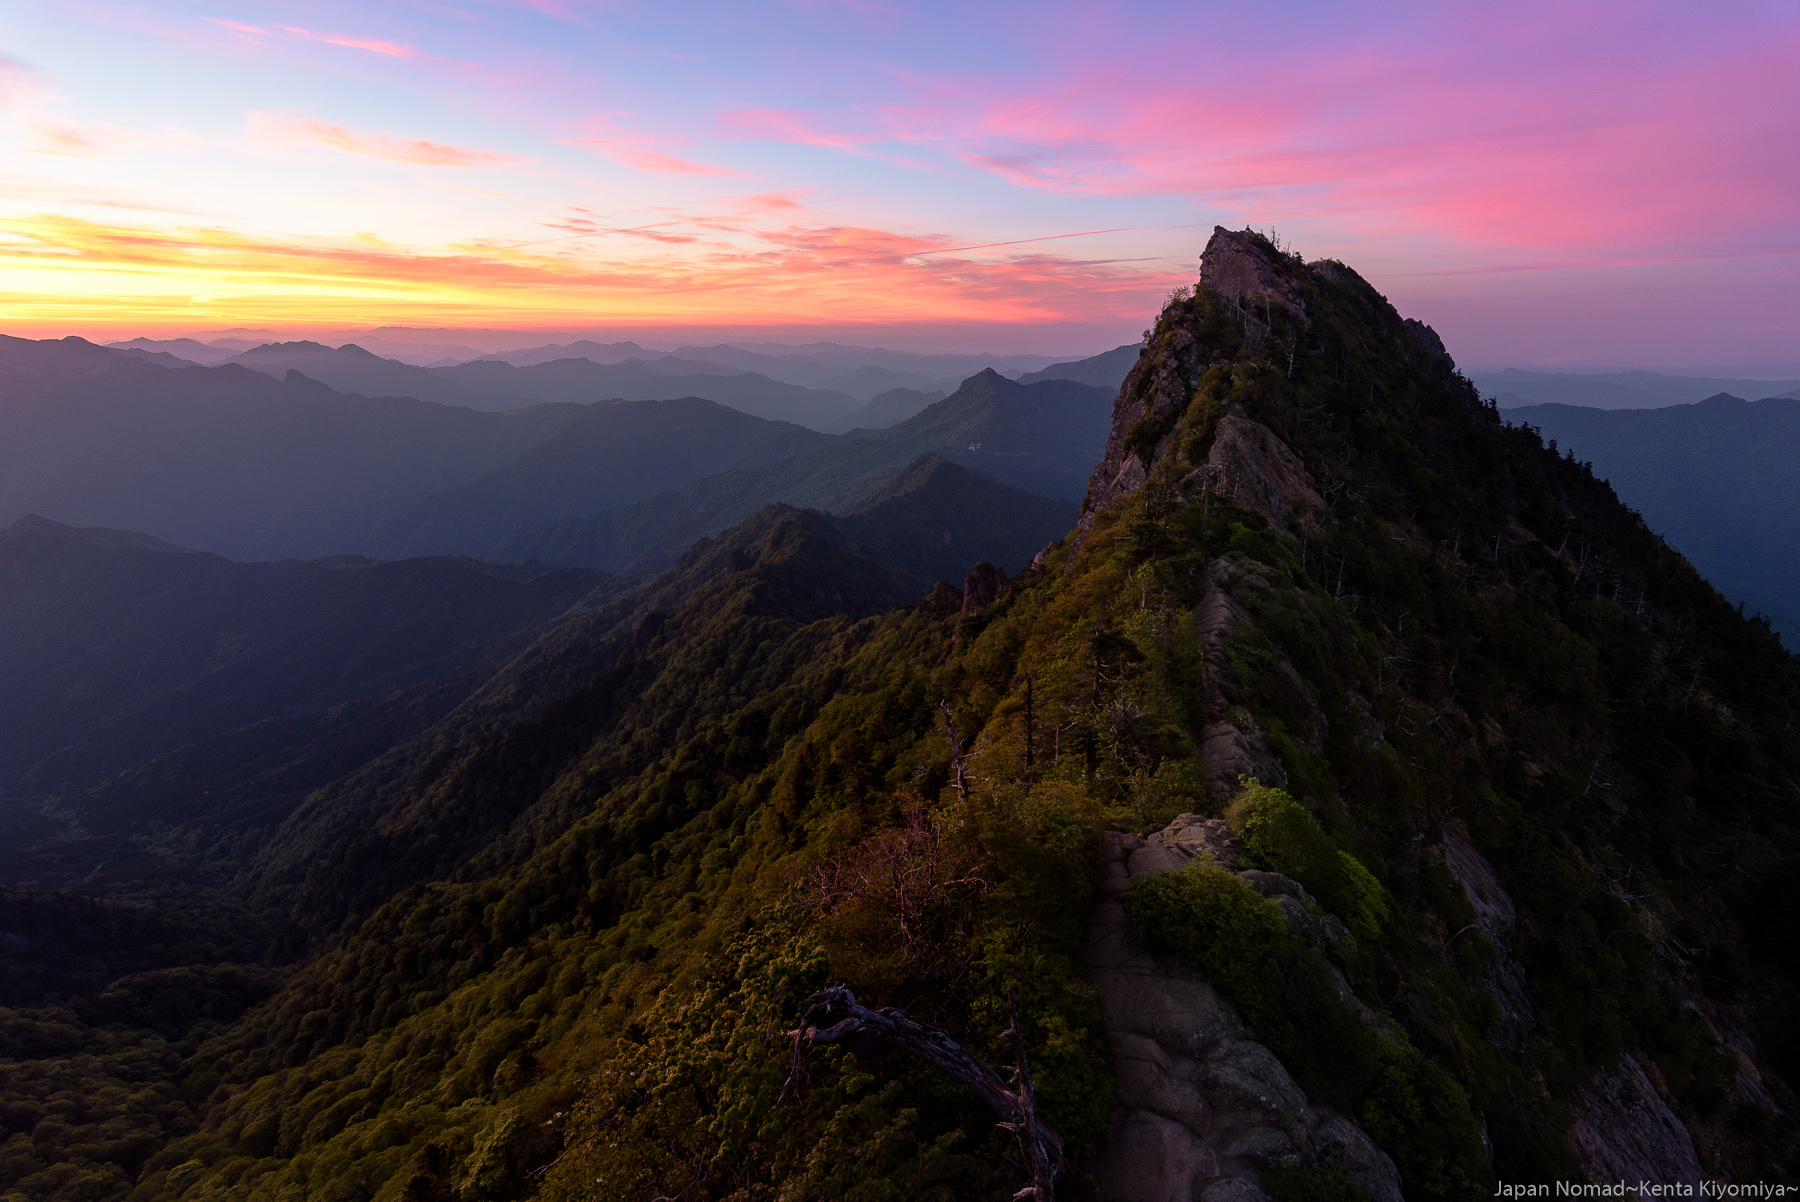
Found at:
<point>1016,1106</point>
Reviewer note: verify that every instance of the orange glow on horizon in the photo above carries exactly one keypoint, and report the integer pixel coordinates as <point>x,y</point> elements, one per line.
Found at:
<point>60,273</point>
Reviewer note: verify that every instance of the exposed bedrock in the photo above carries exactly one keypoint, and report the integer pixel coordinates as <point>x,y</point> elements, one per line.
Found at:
<point>1201,1103</point>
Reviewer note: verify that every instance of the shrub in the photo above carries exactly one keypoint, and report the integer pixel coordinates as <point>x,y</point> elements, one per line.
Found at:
<point>1280,832</point>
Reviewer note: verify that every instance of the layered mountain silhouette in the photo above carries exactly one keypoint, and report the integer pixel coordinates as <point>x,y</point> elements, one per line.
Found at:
<point>1105,370</point>
<point>231,461</point>
<point>1719,479</point>
<point>608,456</point>
<point>352,369</point>
<point>118,649</point>
<point>1035,437</point>
<point>936,520</point>
<point>582,381</point>
<point>1514,388</point>
<point>888,409</point>
<point>226,459</point>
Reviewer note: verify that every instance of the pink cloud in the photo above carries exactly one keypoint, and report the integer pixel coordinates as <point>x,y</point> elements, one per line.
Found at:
<point>1390,147</point>
<point>776,202</point>
<point>238,27</point>
<point>794,126</point>
<point>1531,128</point>
<point>634,153</point>
<point>372,45</point>
<point>76,141</point>
<point>279,127</point>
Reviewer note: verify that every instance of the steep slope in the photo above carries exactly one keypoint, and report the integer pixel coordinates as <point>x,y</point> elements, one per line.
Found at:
<point>1039,437</point>
<point>613,454</point>
<point>1483,675</point>
<point>936,520</point>
<point>225,459</point>
<point>1718,479</point>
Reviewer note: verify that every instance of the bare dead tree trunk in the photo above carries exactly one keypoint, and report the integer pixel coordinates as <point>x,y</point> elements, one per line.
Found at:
<point>1016,1106</point>
<point>959,776</point>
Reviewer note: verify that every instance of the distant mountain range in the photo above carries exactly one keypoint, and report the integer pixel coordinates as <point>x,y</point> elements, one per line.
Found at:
<point>1036,437</point>
<point>1105,370</point>
<point>230,460</point>
<point>1514,389</point>
<point>890,408</point>
<point>860,373</point>
<point>1719,479</point>
<point>607,456</point>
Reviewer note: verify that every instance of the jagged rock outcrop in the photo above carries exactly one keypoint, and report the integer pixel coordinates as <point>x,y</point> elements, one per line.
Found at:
<point>1201,1103</point>
<point>1157,390</point>
<point>1237,269</point>
<point>1495,918</point>
<point>1624,1131</point>
<point>1183,841</point>
<point>1253,467</point>
<point>1255,397</point>
<point>982,588</point>
<point>1249,466</point>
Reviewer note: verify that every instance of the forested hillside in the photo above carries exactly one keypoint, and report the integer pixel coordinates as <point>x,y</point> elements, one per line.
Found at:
<point>1360,802</point>
<point>1718,479</point>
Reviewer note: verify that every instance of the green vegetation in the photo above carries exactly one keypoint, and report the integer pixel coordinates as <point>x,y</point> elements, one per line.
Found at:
<point>1284,837</point>
<point>552,946</point>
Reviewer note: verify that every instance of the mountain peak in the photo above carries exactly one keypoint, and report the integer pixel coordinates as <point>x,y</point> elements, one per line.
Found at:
<point>1243,263</point>
<point>1260,321</point>
<point>286,351</point>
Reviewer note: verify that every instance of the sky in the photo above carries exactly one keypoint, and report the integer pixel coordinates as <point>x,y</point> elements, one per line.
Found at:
<point>1574,184</point>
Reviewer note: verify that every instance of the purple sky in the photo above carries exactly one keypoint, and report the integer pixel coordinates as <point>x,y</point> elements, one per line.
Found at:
<point>1578,184</point>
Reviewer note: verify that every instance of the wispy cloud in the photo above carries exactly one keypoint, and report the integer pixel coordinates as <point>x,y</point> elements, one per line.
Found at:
<point>250,32</point>
<point>289,128</point>
<point>799,127</point>
<point>86,142</point>
<point>804,273</point>
<point>645,158</point>
<point>372,45</point>
<point>552,9</point>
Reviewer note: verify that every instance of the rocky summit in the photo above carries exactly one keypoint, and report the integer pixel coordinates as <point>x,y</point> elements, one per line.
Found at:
<point>1359,802</point>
